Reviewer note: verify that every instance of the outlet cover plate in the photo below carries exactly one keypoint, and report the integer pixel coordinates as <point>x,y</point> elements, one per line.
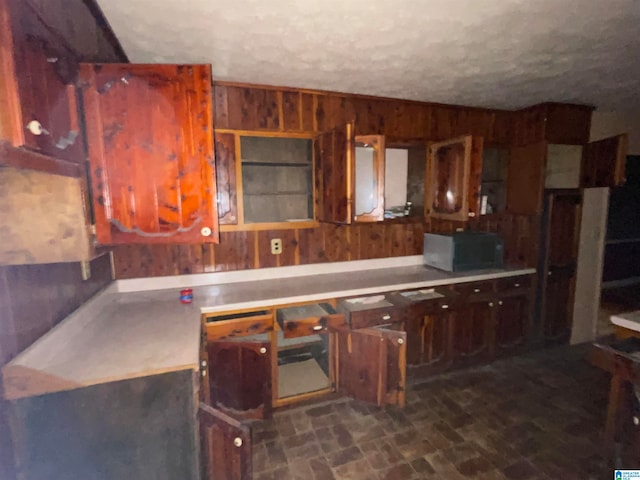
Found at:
<point>276,246</point>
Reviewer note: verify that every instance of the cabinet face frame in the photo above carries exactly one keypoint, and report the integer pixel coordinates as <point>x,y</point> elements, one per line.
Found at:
<point>230,169</point>
<point>377,142</point>
<point>468,173</point>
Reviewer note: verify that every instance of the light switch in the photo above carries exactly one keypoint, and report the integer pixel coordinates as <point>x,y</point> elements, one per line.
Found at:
<point>276,246</point>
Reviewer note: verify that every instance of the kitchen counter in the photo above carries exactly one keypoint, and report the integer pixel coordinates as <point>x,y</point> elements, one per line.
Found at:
<point>118,335</point>
<point>629,320</point>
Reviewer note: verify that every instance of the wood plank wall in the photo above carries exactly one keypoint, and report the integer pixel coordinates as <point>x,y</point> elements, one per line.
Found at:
<point>272,109</point>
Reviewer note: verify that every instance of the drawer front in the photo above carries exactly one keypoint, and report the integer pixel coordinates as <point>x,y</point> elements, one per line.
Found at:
<point>238,327</point>
<point>310,326</point>
<point>522,282</point>
<point>375,316</point>
<point>474,288</point>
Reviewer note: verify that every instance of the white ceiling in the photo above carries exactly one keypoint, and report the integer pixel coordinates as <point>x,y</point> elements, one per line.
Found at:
<point>494,53</point>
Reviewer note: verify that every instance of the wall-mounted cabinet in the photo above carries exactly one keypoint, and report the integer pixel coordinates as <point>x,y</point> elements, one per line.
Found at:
<point>603,162</point>
<point>453,178</point>
<point>150,141</point>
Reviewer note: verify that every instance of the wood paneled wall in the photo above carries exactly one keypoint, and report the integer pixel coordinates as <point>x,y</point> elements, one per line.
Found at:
<point>271,109</point>
<point>239,107</point>
<point>247,250</point>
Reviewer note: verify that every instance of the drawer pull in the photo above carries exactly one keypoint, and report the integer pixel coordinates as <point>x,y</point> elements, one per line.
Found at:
<point>263,350</point>
<point>317,328</point>
<point>400,341</point>
<point>491,304</point>
<point>499,302</point>
<point>445,306</point>
<point>476,290</point>
<point>203,372</point>
<point>386,317</point>
<point>237,442</point>
<point>516,285</point>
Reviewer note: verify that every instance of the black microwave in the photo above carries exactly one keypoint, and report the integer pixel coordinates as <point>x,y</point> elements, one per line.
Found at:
<point>462,251</point>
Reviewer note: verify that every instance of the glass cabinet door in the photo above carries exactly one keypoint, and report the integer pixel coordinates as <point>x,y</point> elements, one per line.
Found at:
<point>448,180</point>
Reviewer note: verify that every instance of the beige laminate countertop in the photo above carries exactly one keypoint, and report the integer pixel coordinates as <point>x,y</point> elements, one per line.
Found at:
<point>117,336</point>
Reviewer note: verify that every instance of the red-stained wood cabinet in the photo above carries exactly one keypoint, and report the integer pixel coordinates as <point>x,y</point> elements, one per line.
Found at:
<point>603,162</point>
<point>225,446</point>
<point>150,142</point>
<point>452,188</point>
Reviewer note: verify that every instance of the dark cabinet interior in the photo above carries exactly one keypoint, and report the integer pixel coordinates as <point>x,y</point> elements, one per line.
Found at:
<point>603,162</point>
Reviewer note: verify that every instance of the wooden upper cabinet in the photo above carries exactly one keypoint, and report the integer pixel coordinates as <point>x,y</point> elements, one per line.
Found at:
<point>454,168</point>
<point>349,176</point>
<point>150,141</point>
<point>525,178</point>
<point>603,162</point>
<point>334,153</point>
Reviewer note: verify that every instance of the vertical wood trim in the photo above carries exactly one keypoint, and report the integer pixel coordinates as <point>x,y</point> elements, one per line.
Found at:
<point>11,120</point>
<point>280,101</point>
<point>239,194</point>
<point>300,110</point>
<point>256,248</point>
<point>315,113</point>
<point>296,253</point>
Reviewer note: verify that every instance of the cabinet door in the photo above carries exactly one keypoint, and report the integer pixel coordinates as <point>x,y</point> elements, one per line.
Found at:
<point>369,174</point>
<point>512,324</point>
<point>557,305</point>
<point>150,140</point>
<point>525,178</point>
<point>334,160</point>
<point>225,148</point>
<point>225,446</point>
<point>472,332</point>
<point>436,335</point>
<point>453,181</point>
<point>370,364</point>
<point>603,162</point>
<point>240,377</point>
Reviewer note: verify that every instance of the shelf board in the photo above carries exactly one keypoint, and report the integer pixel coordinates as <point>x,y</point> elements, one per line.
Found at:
<point>275,164</point>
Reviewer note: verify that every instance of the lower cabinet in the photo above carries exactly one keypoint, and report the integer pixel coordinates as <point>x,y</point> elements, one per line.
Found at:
<point>369,364</point>
<point>225,446</point>
<point>473,332</point>
<point>512,324</point>
<point>143,428</point>
<point>240,376</point>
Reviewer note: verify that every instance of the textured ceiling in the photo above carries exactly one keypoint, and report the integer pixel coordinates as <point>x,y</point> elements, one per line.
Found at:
<point>494,53</point>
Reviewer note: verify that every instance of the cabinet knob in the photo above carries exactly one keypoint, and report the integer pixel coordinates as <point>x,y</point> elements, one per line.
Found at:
<point>499,302</point>
<point>445,306</point>
<point>549,273</point>
<point>400,341</point>
<point>203,364</point>
<point>205,232</point>
<point>237,442</point>
<point>386,317</point>
<point>317,328</point>
<point>263,350</point>
<point>472,214</point>
<point>476,290</point>
<point>203,373</point>
<point>491,304</point>
<point>516,285</point>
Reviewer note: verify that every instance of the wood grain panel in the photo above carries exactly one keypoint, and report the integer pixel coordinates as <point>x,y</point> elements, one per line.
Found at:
<point>150,137</point>
<point>236,251</point>
<point>253,109</point>
<point>312,245</point>
<point>338,241</point>
<point>334,156</point>
<point>529,125</point>
<point>525,178</point>
<point>568,124</point>
<point>307,113</point>
<point>225,149</point>
<point>220,107</point>
<point>291,119</point>
<point>10,112</point>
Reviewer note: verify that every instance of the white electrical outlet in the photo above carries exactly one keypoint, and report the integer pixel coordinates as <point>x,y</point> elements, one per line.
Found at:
<point>276,246</point>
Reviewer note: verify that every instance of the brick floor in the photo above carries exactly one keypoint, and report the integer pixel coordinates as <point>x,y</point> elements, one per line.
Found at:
<point>538,416</point>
